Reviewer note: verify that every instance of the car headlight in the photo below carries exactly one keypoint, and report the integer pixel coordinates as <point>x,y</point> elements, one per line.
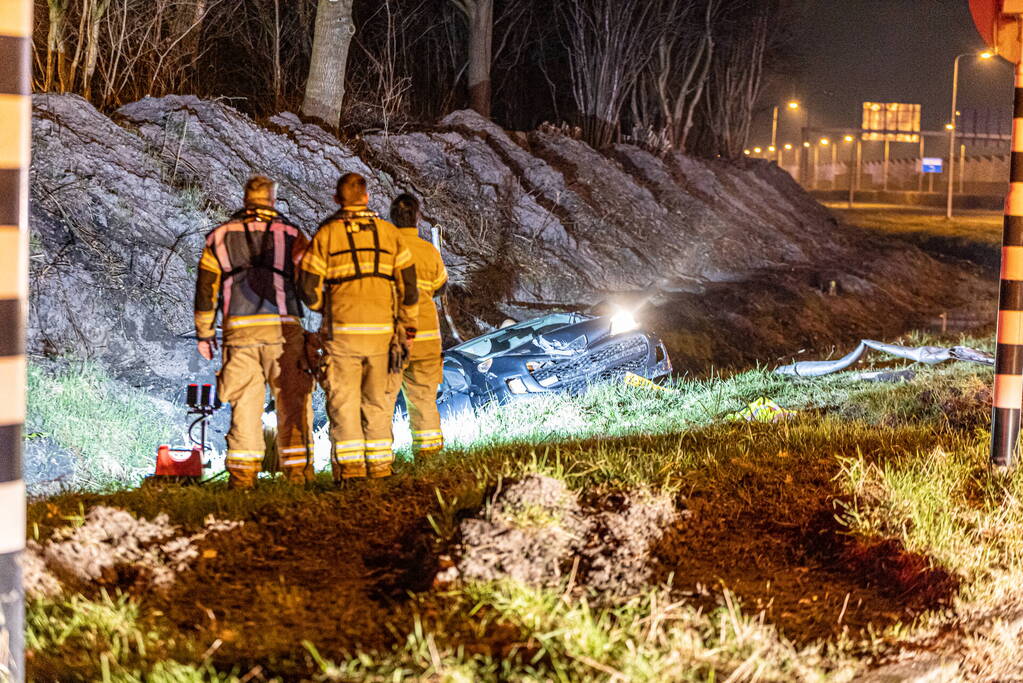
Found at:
<point>623,321</point>
<point>517,386</point>
<point>485,365</point>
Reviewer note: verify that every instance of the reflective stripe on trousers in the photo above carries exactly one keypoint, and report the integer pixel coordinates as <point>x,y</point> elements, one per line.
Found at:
<point>427,440</point>
<point>294,455</point>
<point>350,451</point>
<point>244,461</point>
<point>379,451</point>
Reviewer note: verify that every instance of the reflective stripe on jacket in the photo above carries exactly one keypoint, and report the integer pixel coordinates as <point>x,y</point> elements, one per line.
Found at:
<point>360,275</point>
<point>247,272</point>
<point>431,276</point>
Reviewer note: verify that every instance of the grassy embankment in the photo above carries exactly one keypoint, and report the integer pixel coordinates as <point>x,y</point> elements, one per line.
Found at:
<point>99,433</point>
<point>971,235</point>
<point>814,548</point>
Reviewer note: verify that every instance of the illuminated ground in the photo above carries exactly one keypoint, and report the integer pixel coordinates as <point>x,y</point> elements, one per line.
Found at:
<point>827,544</point>
<point>864,533</point>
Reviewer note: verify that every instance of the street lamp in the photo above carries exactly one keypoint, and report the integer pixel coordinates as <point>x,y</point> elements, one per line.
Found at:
<point>951,125</point>
<point>855,159</point>
<point>793,105</point>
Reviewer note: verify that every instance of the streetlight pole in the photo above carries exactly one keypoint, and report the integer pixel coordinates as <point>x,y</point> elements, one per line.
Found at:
<point>816,163</point>
<point>774,130</point>
<point>853,168</point>
<point>953,123</point>
<point>834,162</point>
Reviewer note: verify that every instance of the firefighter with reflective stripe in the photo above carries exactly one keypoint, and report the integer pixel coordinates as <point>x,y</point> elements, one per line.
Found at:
<point>360,275</point>
<point>247,272</point>
<point>424,372</point>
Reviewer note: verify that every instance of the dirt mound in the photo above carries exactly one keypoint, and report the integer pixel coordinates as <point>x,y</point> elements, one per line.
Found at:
<point>538,532</point>
<point>114,548</point>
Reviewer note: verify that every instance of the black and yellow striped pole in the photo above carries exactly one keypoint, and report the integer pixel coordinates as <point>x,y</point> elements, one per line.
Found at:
<point>1008,392</point>
<point>15,140</point>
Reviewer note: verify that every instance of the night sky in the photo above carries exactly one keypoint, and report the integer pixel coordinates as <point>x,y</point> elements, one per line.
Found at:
<point>885,50</point>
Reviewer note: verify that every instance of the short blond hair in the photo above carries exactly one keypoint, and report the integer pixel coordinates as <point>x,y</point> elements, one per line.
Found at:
<point>260,191</point>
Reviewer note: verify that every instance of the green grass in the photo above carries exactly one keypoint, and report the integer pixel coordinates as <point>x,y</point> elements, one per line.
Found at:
<point>649,638</point>
<point>970,235</point>
<point>111,429</point>
<point>979,226</point>
<point>902,462</point>
<point>104,639</point>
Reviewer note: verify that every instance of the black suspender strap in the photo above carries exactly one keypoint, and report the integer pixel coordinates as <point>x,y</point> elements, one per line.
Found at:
<point>355,252</point>
<point>376,250</point>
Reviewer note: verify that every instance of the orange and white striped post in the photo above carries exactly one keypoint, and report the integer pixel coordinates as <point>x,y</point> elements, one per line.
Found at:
<point>15,142</point>
<point>1008,392</point>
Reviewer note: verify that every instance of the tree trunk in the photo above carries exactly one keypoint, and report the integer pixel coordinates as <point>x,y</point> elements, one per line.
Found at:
<point>481,38</point>
<point>186,29</point>
<point>325,88</point>
<point>56,44</point>
<point>99,10</point>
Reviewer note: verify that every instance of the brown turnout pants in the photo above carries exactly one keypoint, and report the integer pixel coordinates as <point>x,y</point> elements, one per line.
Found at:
<point>419,384</point>
<point>358,392</point>
<point>242,382</point>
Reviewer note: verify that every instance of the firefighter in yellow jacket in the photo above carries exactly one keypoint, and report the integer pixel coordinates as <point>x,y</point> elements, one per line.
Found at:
<point>424,372</point>
<point>247,271</point>
<point>360,275</point>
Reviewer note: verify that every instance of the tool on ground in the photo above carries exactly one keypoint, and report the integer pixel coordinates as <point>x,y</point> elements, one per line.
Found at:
<point>761,410</point>
<point>185,465</point>
<point>633,380</point>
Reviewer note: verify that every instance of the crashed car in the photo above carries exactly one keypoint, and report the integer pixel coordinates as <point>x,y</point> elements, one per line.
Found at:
<point>558,353</point>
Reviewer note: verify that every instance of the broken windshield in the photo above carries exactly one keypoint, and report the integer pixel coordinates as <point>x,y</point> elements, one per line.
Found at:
<point>514,336</point>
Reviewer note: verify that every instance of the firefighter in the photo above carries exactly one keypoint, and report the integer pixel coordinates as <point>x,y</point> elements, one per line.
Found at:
<point>247,272</point>
<point>424,372</point>
<point>359,273</point>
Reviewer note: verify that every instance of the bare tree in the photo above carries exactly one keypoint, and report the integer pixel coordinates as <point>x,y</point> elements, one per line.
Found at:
<point>609,47</point>
<point>325,87</point>
<point>668,95</point>
<point>110,51</point>
<point>480,15</point>
<point>97,8</point>
<point>735,83</point>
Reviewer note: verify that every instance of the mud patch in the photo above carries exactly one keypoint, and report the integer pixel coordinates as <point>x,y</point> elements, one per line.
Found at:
<point>112,548</point>
<point>537,532</point>
<point>771,538</point>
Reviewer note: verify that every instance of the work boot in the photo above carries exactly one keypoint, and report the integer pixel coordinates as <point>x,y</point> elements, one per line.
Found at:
<point>380,471</point>
<point>426,455</point>
<point>241,482</point>
<point>299,476</point>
